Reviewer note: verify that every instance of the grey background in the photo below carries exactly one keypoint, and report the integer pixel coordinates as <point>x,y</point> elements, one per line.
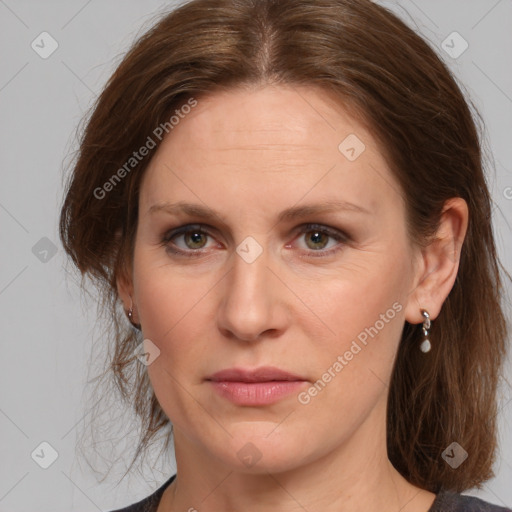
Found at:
<point>47,329</point>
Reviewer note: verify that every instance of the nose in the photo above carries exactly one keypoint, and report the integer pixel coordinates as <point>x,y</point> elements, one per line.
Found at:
<point>251,305</point>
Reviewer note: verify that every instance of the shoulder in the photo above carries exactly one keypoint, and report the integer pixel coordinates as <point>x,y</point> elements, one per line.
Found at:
<point>150,503</point>
<point>449,501</point>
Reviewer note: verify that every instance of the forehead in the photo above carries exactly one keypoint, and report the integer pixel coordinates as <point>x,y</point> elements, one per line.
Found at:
<point>280,117</point>
<point>275,141</point>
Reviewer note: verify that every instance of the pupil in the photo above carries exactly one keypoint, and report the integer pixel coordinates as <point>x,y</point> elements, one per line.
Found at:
<point>316,238</point>
<point>196,238</point>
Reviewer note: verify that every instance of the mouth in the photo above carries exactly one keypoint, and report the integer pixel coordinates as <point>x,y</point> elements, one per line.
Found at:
<point>262,374</point>
<point>261,386</point>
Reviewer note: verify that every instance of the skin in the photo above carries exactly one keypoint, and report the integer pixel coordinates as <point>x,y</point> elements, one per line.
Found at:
<point>249,154</point>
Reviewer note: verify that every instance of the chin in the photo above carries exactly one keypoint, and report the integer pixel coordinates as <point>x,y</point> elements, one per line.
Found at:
<point>263,451</point>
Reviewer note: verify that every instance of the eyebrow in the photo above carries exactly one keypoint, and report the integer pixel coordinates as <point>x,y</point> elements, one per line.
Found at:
<point>197,210</point>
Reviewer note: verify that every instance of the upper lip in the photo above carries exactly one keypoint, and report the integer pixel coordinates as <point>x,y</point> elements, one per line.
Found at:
<point>261,374</point>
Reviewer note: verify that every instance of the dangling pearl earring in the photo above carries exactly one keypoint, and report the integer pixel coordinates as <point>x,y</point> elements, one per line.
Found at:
<point>425,344</point>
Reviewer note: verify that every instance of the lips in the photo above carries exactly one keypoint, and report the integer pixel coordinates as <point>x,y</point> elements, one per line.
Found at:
<point>262,374</point>
<point>259,387</point>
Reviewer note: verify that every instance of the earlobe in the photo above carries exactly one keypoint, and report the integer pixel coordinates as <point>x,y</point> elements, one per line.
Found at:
<point>123,280</point>
<point>439,263</point>
<point>125,290</point>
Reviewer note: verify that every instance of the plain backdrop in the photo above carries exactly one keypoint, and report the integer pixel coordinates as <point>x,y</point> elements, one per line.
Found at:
<point>47,329</point>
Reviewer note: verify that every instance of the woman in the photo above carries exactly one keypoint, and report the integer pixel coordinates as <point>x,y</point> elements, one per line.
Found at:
<point>287,198</point>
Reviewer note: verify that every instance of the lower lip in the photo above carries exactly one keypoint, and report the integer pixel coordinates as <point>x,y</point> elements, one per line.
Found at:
<point>256,393</point>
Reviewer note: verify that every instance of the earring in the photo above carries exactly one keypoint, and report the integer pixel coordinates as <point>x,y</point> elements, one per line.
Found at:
<point>130,316</point>
<point>425,344</point>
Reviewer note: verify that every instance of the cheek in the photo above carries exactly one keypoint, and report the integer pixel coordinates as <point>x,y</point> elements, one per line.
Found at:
<point>356,297</point>
<point>352,368</point>
<point>175,322</point>
<point>362,320</point>
<point>175,315</point>
<point>163,296</point>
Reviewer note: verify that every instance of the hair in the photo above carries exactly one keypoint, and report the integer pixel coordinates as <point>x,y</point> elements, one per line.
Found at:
<point>380,69</point>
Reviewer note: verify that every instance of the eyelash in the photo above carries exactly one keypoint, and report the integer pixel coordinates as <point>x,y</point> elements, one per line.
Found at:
<point>306,228</point>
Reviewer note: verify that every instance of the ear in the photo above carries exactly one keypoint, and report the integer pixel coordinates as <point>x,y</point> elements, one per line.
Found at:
<point>125,290</point>
<point>124,282</point>
<point>438,263</point>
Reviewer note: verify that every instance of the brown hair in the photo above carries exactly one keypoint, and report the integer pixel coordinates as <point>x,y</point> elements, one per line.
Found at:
<point>379,68</point>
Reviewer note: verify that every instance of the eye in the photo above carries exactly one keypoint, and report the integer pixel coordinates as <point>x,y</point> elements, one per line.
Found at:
<point>193,238</point>
<point>317,237</point>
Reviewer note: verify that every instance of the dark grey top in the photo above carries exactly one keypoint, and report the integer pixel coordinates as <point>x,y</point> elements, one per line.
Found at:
<point>446,501</point>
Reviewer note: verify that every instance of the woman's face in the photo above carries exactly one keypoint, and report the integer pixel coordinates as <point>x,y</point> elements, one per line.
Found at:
<point>304,266</point>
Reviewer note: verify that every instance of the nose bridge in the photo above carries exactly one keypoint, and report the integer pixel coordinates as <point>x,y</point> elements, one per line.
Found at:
<point>250,274</point>
<point>248,302</point>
